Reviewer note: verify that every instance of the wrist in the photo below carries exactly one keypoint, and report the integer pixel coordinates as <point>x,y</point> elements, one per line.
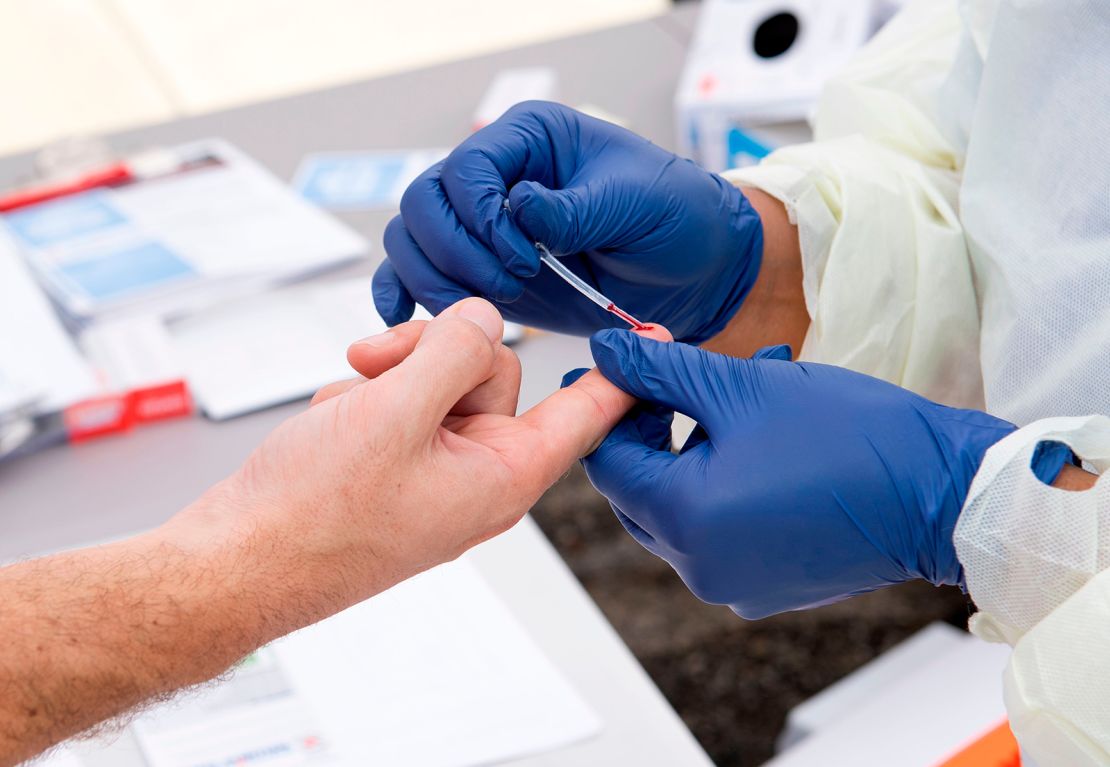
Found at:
<point>257,579</point>
<point>1049,459</point>
<point>274,566</point>
<point>220,584</point>
<point>1074,478</point>
<point>739,247</point>
<point>747,225</point>
<point>773,311</point>
<point>963,438</point>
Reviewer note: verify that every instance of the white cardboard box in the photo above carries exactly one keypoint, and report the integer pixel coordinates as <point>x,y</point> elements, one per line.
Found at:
<point>936,703</point>
<point>727,86</point>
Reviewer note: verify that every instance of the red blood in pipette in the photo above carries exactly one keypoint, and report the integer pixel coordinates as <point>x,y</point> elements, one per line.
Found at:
<point>635,323</point>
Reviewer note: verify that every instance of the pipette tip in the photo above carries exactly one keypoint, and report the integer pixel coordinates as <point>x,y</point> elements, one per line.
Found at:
<point>585,289</point>
<point>635,323</point>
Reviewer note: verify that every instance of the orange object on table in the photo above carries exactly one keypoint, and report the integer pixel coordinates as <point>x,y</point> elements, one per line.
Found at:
<point>996,748</point>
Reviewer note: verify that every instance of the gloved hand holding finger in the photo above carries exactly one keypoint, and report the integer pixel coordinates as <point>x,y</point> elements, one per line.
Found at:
<point>573,421</point>
<point>808,483</point>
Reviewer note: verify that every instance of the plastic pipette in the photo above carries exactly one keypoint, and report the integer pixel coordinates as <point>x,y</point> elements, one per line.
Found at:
<point>584,288</point>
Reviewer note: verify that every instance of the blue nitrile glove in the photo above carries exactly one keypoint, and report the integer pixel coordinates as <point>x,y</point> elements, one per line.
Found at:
<point>803,483</point>
<point>663,238</point>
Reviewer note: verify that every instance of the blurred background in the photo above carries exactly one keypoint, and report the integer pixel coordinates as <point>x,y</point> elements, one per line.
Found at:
<point>100,66</point>
<point>90,66</point>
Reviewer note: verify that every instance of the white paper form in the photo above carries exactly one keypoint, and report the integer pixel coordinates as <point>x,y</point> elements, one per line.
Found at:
<point>435,672</point>
<point>278,347</point>
<point>38,360</point>
<point>273,348</point>
<point>237,218</point>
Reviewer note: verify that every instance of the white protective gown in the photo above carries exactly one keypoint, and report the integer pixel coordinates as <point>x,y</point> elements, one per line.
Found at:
<point>954,217</point>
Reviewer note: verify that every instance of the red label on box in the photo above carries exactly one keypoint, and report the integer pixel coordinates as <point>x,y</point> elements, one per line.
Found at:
<point>116,413</point>
<point>156,403</point>
<point>97,417</point>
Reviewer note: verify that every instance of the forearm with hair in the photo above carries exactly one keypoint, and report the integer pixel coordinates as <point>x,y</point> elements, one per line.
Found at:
<point>91,634</point>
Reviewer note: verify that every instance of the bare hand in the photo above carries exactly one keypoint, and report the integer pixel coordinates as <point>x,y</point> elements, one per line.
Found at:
<point>413,462</point>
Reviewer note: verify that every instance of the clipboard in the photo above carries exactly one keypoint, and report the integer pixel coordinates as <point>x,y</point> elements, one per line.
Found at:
<point>169,231</point>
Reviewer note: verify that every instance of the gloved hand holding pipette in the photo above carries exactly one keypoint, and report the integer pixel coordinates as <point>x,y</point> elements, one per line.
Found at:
<point>667,241</point>
<point>583,287</point>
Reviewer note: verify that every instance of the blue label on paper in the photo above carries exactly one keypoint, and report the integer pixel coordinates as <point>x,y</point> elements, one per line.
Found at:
<point>59,221</point>
<point>351,182</point>
<point>131,270</point>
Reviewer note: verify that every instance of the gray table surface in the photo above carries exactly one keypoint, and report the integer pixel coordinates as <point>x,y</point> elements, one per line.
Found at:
<point>73,495</point>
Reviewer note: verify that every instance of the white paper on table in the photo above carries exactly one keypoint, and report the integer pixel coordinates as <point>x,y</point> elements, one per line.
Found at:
<point>273,348</point>
<point>38,359</point>
<point>254,717</point>
<point>279,346</point>
<point>17,399</point>
<point>129,353</point>
<point>59,757</point>
<point>435,672</point>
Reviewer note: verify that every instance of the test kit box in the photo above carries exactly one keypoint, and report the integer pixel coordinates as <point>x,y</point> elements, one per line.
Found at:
<point>754,63</point>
